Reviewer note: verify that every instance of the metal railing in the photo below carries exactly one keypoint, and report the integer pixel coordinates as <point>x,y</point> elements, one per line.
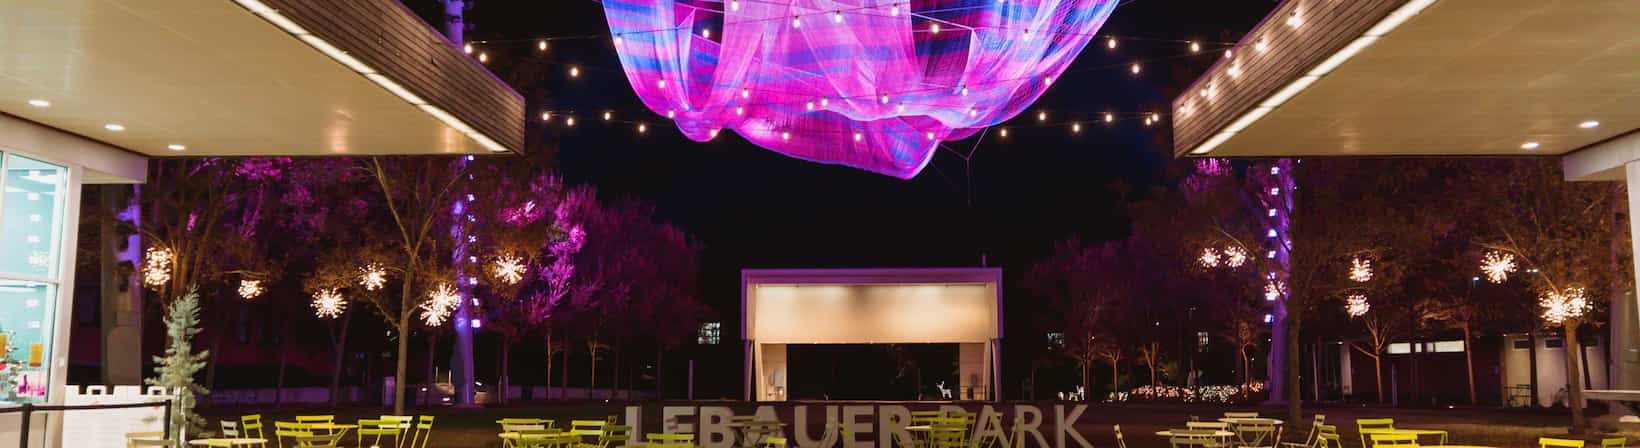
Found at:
<point>28,410</point>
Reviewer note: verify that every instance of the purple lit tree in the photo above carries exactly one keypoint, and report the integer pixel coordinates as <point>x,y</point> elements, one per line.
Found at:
<point>1082,287</point>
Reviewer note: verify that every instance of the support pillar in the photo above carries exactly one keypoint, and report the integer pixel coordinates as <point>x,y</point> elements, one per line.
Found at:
<point>1625,325</point>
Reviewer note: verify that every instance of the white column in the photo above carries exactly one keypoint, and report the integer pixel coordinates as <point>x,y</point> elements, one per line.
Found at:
<point>1625,325</point>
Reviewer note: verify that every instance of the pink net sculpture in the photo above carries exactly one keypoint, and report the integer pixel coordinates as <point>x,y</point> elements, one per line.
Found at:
<point>871,84</point>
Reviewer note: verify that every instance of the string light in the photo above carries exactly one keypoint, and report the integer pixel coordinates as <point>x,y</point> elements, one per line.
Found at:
<point>372,277</point>
<point>467,48</point>
<point>1076,128</point>
<point>706,33</point>
<point>797,22</point>
<point>1042,116</point>
<point>824,102</point>
<point>1229,54</point>
<point>1134,68</point>
<point>934,28</point>
<point>858,136</point>
<point>1498,266</point>
<point>328,304</point>
<point>1209,258</point>
<point>734,5</point>
<point>712,134</point>
<point>1110,43</point>
<point>608,115</point>
<point>156,266</point>
<point>642,128</point>
<point>1356,305</point>
<point>837,17</point>
<point>1296,19</point>
<point>569,122</point>
<point>745,92</point>
<point>484,58</point>
<point>1109,117</point>
<point>1003,132</point>
<point>440,303</point>
<point>509,269</point>
<point>1234,256</point>
<point>740,110</point>
<point>785,136</point>
<point>541,45</point>
<point>546,116</point>
<point>1195,47</point>
<point>894,10</point>
<point>574,72</point>
<point>250,289</point>
<point>1361,270</point>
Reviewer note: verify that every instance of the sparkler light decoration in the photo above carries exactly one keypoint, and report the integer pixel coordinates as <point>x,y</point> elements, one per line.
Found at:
<point>250,289</point>
<point>156,266</point>
<point>1209,258</point>
<point>1234,256</point>
<point>439,305</point>
<point>1361,270</point>
<point>1273,291</point>
<point>509,269</point>
<point>1560,306</point>
<point>328,304</point>
<point>1356,305</point>
<point>1498,266</point>
<point>880,81</point>
<point>372,277</point>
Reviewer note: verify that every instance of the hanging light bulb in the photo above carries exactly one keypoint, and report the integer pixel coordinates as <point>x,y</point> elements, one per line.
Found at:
<point>884,99</point>
<point>1109,117</point>
<point>712,134</point>
<point>467,48</point>
<point>706,33</point>
<point>1195,47</point>
<point>785,136</point>
<point>546,116</point>
<point>671,113</point>
<point>1076,128</point>
<point>824,102</point>
<point>745,92</point>
<point>964,91</point>
<point>608,115</point>
<point>929,135</point>
<point>797,22</point>
<point>1042,116</point>
<point>574,72</point>
<point>1262,45</point>
<point>740,110</point>
<point>1047,80</point>
<point>483,58</point>
<point>894,10</point>
<point>1003,132</point>
<point>642,128</point>
<point>934,28</point>
<point>899,107</point>
<point>858,136</point>
<point>973,112</point>
<point>811,105</point>
<point>837,17</point>
<point>541,45</point>
<point>660,84</point>
<point>1134,68</point>
<point>1110,42</point>
<point>617,39</point>
<point>734,5</point>
<point>569,122</point>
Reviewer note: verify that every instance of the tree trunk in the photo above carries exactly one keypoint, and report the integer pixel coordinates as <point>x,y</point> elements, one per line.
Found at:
<point>1469,363</point>
<point>1378,373</point>
<point>1531,362</point>
<point>406,308</point>
<point>284,358</point>
<point>660,354</point>
<point>563,375</point>
<point>502,382</point>
<point>592,370</point>
<point>1574,378</point>
<point>430,386</point>
<point>1086,377</point>
<point>615,370</point>
<point>1295,406</point>
<point>341,357</point>
<point>1115,377</point>
<point>549,363</point>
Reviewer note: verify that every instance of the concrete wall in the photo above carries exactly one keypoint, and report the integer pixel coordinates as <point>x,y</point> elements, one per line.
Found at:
<point>1551,366</point>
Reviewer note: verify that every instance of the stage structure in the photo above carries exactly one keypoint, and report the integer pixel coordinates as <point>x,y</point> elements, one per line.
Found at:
<point>960,306</point>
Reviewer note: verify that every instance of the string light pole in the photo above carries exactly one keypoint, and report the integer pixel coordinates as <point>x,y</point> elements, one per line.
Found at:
<point>461,356</point>
<point>1273,184</point>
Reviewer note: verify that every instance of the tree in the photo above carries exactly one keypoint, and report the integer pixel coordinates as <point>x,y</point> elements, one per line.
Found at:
<point>1110,350</point>
<point>178,366</point>
<point>1083,288</point>
<point>1560,233</point>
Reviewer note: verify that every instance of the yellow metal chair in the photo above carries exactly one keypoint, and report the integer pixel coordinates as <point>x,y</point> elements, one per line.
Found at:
<point>924,417</point>
<point>1394,440</point>
<point>1241,415</point>
<point>1196,438</point>
<point>1326,436</point>
<point>1614,442</point>
<point>774,442</point>
<point>311,419</point>
<point>145,439</point>
<point>990,433</point>
<point>378,429</point>
<point>251,427</point>
<point>1120,442</point>
<point>1257,433</point>
<point>545,423</point>
<point>1365,426</point>
<point>424,431</point>
<point>1310,441</point>
<point>315,441</point>
<point>1551,442</point>
<point>404,423</point>
<point>284,430</point>
<point>230,428</point>
<point>613,436</point>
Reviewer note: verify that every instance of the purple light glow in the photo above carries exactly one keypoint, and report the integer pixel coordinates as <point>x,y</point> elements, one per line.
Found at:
<point>821,91</point>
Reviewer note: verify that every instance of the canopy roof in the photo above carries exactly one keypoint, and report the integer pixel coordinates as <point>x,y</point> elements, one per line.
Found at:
<point>1420,78</point>
<point>250,78</point>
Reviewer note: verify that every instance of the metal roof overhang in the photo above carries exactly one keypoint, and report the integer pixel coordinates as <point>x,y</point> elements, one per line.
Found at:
<point>1420,78</point>
<point>251,78</point>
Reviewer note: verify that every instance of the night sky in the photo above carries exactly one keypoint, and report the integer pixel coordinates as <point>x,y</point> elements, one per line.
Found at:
<point>754,208</point>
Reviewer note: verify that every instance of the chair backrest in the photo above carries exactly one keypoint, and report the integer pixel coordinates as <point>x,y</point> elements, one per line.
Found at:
<point>315,442</point>
<point>377,427</point>
<point>670,439</point>
<point>1241,415</point>
<point>947,437</point>
<point>251,426</point>
<point>1120,443</point>
<point>774,442</point>
<point>520,427</point>
<point>288,429</point>
<point>315,419</point>
<point>1310,440</point>
<point>615,436</point>
<point>1548,442</point>
<point>1374,423</point>
<point>230,428</point>
<point>1326,436</point>
<point>1618,442</point>
<point>424,431</point>
<point>1194,438</point>
<point>924,417</point>
<point>1207,425</point>
<point>137,439</point>
<point>527,421</point>
<point>586,427</point>
<point>1395,440</point>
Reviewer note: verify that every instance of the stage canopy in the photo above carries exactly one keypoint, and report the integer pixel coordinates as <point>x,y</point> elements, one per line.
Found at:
<point>960,306</point>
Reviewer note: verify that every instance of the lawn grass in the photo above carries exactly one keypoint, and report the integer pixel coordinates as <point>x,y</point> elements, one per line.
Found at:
<point>476,428</point>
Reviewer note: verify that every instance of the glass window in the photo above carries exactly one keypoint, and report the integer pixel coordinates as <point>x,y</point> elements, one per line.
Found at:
<point>31,217</point>
<point>1553,343</point>
<point>1523,344</point>
<point>1449,347</point>
<point>26,328</point>
<point>1400,348</point>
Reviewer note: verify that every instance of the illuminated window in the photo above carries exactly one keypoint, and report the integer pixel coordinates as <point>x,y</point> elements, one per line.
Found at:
<point>1400,348</point>
<point>1201,341</point>
<point>1448,347</point>
<point>31,221</point>
<point>711,333</point>
<point>1056,340</point>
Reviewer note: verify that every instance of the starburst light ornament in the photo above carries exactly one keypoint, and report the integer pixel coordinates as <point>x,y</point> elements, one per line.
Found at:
<point>1209,258</point>
<point>156,266</point>
<point>250,289</point>
<point>1560,306</point>
<point>372,277</point>
<point>1356,305</point>
<point>1234,256</point>
<point>1498,266</point>
<point>328,304</point>
<point>509,269</point>
<point>1361,270</point>
<point>439,305</point>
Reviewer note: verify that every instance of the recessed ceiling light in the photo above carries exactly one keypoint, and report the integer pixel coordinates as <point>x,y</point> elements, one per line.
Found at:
<point>1529,145</point>
<point>116,127</point>
<point>39,103</point>
<point>1591,124</point>
<point>175,147</point>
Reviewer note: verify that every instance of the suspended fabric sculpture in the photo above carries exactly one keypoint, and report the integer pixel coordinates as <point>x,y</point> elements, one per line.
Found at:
<point>870,84</point>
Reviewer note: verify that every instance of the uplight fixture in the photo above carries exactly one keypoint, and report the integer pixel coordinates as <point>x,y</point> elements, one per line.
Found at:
<point>1529,146</point>
<point>1591,124</point>
<point>39,103</point>
<point>116,127</point>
